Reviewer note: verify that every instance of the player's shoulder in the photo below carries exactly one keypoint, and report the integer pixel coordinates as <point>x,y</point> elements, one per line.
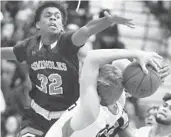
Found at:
<point>27,41</point>
<point>66,35</point>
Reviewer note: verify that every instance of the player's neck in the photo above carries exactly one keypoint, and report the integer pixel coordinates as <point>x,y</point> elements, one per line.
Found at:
<point>162,130</point>
<point>49,39</point>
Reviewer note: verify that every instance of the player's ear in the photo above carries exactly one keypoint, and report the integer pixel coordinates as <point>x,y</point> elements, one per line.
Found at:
<point>38,25</point>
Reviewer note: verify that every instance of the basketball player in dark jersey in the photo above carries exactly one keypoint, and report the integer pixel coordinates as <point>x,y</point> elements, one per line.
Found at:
<point>53,64</point>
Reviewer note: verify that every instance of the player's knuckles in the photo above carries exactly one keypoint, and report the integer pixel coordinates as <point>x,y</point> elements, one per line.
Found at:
<point>165,69</point>
<point>163,75</point>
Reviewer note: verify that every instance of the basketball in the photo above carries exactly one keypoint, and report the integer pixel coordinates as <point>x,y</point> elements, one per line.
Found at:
<point>137,83</point>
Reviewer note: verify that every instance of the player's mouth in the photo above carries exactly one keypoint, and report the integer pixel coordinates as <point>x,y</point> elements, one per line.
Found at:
<point>149,123</point>
<point>53,25</point>
<point>162,114</point>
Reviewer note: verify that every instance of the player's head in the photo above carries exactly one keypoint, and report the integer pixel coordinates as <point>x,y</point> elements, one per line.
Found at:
<point>109,84</point>
<point>164,112</point>
<point>50,17</point>
<point>150,116</point>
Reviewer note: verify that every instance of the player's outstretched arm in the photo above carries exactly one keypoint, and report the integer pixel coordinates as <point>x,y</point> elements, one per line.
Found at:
<point>98,25</point>
<point>7,53</point>
<point>95,59</point>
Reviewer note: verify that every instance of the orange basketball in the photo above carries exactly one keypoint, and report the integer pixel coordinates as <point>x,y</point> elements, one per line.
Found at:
<point>139,84</point>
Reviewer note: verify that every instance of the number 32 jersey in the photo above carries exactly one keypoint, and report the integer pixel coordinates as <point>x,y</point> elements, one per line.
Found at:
<point>53,72</point>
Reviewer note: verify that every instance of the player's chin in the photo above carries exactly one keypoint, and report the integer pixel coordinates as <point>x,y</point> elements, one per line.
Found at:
<point>54,31</point>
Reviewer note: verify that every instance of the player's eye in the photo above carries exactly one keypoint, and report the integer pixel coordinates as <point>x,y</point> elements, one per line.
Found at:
<point>58,16</point>
<point>165,105</point>
<point>47,15</point>
<point>170,108</point>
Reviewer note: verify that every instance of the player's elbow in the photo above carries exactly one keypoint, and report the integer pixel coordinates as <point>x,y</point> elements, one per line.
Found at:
<point>92,59</point>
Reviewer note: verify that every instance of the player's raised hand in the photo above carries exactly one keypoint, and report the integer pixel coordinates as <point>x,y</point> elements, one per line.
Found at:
<point>118,20</point>
<point>151,58</point>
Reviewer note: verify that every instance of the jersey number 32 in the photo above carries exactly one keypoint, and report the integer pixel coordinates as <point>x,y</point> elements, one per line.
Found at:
<point>54,86</point>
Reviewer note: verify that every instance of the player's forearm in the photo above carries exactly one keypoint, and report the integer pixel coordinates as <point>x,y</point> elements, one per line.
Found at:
<point>93,27</point>
<point>7,53</point>
<point>98,25</point>
<point>104,56</point>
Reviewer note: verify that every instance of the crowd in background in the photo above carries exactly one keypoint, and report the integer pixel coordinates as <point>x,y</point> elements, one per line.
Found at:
<point>17,23</point>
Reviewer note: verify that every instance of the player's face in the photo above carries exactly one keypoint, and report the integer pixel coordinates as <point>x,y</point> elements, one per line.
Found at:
<point>50,21</point>
<point>164,113</point>
<point>115,96</point>
<point>150,117</point>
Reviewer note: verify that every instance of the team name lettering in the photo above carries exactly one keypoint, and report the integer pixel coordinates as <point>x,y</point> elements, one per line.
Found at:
<point>44,64</point>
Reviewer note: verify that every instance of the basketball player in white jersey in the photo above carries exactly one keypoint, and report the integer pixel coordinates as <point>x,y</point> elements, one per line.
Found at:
<point>163,126</point>
<point>97,113</point>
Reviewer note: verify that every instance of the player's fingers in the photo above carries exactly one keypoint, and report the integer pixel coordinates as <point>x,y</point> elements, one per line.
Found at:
<point>157,56</point>
<point>158,63</point>
<point>130,23</point>
<point>165,69</point>
<point>164,75</point>
<point>165,65</point>
<point>143,66</point>
<point>130,26</point>
<point>154,65</point>
<point>128,20</point>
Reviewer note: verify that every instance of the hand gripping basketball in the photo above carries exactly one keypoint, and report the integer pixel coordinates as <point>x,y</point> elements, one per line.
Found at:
<point>139,84</point>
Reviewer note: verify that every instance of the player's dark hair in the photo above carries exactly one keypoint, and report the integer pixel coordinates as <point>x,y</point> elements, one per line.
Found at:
<point>109,78</point>
<point>47,4</point>
<point>167,97</point>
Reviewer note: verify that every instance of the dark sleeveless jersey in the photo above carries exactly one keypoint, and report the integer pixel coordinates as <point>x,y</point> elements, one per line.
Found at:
<point>53,72</point>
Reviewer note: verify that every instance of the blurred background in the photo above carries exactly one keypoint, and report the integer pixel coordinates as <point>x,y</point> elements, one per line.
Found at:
<point>152,33</point>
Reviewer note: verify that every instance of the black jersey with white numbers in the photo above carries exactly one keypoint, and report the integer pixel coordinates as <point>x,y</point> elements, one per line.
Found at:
<point>53,72</point>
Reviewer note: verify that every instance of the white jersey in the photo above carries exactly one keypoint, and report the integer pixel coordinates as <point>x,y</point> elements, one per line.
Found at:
<point>106,124</point>
<point>143,131</point>
<point>146,131</point>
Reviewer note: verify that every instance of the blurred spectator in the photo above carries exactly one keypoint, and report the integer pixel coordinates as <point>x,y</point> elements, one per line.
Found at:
<point>2,102</point>
<point>16,22</point>
<point>82,16</point>
<point>14,88</point>
<point>13,7</point>
<point>109,38</point>
<point>11,126</point>
<point>150,119</point>
<point>161,11</point>
<point>6,34</point>
<point>10,123</point>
